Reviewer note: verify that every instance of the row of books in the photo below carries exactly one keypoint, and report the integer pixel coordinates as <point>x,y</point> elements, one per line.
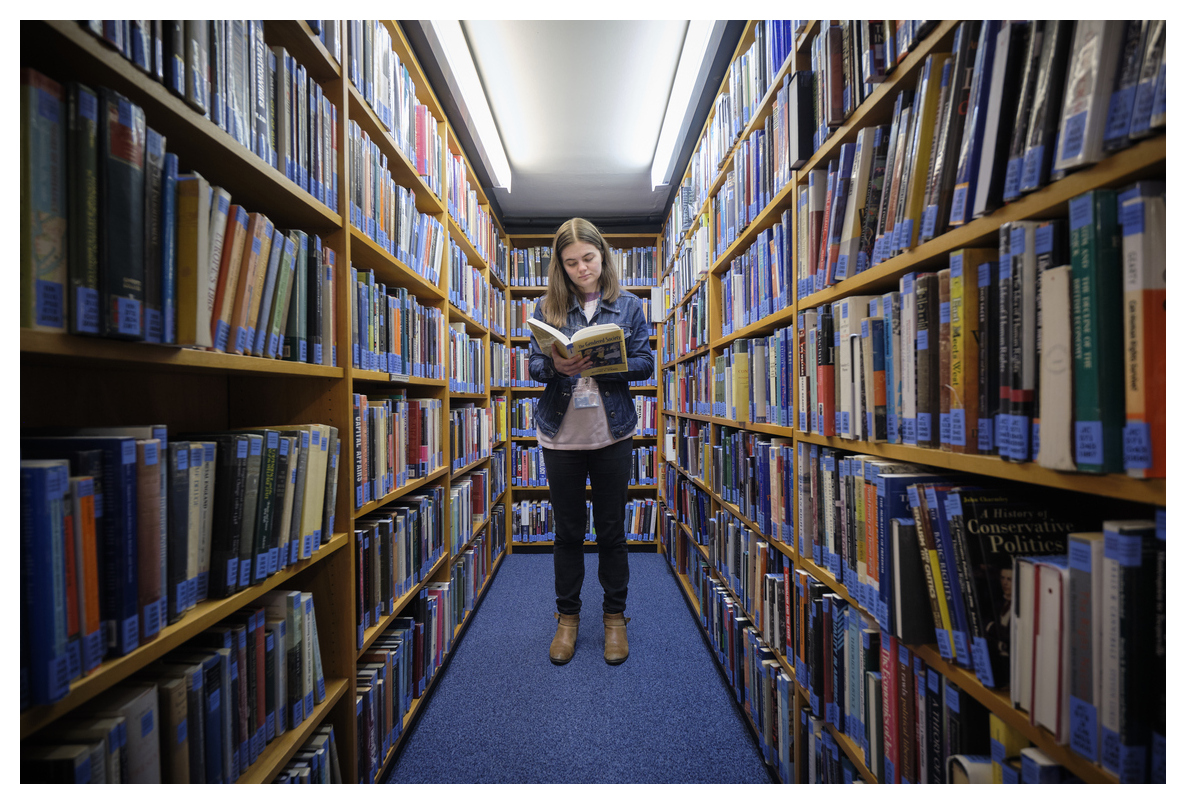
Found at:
<point>646,408</point>
<point>203,713</point>
<point>750,184</point>
<point>118,244</point>
<point>469,291</point>
<point>643,469</point>
<point>528,267</point>
<point>637,266</point>
<point>757,281</point>
<point>688,387</point>
<point>691,264</point>
<point>257,93</point>
<point>933,554</point>
<point>471,217</point>
<point>387,86</point>
<point>470,435</point>
<point>397,546</point>
<point>998,379</point>
<point>527,466</point>
<point>687,330</point>
<point>394,332</point>
<point>385,211</point>
<point>949,156</point>
<point>521,368</point>
<point>535,521</point>
<point>467,362</point>
<point>689,502</point>
<point>500,365</point>
<point>745,563</point>
<point>498,267</point>
<point>330,34</point>
<point>316,762</point>
<point>469,506</point>
<point>118,536</point>
<point>522,416</point>
<point>396,440</point>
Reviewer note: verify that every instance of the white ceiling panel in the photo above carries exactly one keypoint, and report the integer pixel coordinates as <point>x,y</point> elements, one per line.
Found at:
<point>579,105</point>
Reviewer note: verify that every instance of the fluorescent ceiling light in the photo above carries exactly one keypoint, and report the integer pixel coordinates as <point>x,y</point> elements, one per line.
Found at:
<point>473,98</point>
<point>687,79</point>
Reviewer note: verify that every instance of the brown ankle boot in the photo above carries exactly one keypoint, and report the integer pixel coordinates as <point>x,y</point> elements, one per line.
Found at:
<point>616,649</point>
<point>565,641</point>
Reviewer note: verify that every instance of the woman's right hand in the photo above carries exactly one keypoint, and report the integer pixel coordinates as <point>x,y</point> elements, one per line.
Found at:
<point>569,367</point>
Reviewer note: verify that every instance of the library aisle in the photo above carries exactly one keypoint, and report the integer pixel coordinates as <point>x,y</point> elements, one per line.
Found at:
<point>503,713</point>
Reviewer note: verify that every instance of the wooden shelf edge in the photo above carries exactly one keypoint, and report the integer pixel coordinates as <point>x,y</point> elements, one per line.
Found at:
<point>202,616</point>
<point>66,346</point>
<point>458,234</point>
<point>282,749</point>
<point>411,485</point>
<point>456,313</point>
<point>372,633</point>
<point>1151,491</point>
<point>372,250</point>
<point>382,376</point>
<point>458,472</point>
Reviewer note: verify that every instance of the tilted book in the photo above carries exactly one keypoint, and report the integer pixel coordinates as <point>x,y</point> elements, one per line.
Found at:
<point>604,344</point>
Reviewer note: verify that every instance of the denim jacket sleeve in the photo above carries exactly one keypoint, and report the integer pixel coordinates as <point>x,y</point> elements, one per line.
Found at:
<point>640,360</point>
<point>540,365</point>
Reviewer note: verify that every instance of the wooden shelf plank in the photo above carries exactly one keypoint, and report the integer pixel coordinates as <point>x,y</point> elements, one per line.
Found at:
<point>66,348</point>
<point>401,379</point>
<point>411,485</point>
<point>198,619</point>
<point>369,255</point>
<point>305,46</point>
<point>469,249</point>
<point>472,326</point>
<point>1117,486</point>
<point>459,472</point>
<point>284,747</point>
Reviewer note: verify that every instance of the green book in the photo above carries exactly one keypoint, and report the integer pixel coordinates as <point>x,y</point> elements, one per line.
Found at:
<point>295,345</point>
<point>43,204</point>
<point>1097,330</point>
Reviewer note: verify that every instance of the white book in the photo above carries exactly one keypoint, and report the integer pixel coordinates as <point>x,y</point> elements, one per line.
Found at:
<point>848,314</point>
<point>308,659</point>
<point>891,307</point>
<point>850,233</point>
<point>1021,635</point>
<point>1050,704</point>
<point>1056,447</point>
<point>277,627</point>
<point>906,362</point>
<point>1091,70</point>
<point>220,204</point>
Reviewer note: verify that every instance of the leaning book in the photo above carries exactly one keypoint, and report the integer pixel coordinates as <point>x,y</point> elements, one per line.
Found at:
<point>604,344</point>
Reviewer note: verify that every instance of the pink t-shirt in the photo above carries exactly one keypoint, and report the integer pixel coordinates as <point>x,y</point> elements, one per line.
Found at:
<point>583,428</point>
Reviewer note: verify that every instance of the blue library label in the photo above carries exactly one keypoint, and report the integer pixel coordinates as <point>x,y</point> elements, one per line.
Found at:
<point>1122,548</point>
<point>944,428</point>
<point>232,571</point>
<point>1079,555</point>
<point>1138,449</point>
<point>1081,211</point>
<point>1132,218</point>
<point>958,427</point>
<point>865,328</point>
<point>909,431</point>
<point>1074,129</point>
<point>1035,436</point>
<point>923,340</point>
<point>127,314</point>
<point>981,662</point>
<point>257,446</point>
<point>130,633</point>
<point>1084,729</point>
<point>923,426</point>
<point>182,730</point>
<point>146,724</point>
<point>1119,113</point>
<point>944,642</point>
<point>929,216</point>
<point>1044,239</point>
<point>984,275</point>
<point>842,267</point>
<point>86,311</point>
<point>244,573</point>
<point>1159,93</point>
<point>959,199</point>
<point>846,421</point>
<point>1017,242</point>
<point>1031,170</point>
<point>1089,443</point>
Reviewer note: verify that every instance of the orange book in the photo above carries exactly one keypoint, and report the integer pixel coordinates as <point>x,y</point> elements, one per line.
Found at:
<point>228,276</point>
<point>245,288</point>
<point>259,288</point>
<point>86,556</point>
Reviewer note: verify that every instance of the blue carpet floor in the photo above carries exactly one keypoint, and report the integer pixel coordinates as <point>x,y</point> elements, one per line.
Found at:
<point>503,713</point>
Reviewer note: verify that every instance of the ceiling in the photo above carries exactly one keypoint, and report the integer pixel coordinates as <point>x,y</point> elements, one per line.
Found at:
<point>579,106</point>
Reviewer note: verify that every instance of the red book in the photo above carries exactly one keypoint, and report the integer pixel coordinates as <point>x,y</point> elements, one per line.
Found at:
<point>889,700</point>
<point>825,372</point>
<point>821,256</point>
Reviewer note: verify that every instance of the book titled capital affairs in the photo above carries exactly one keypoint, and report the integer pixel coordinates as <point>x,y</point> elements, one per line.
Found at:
<point>604,344</point>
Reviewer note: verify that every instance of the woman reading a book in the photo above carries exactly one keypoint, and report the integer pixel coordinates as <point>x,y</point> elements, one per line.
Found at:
<point>585,425</point>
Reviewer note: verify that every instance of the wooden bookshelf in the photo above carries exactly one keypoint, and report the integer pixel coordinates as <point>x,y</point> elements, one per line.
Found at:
<point>1144,159</point>
<point>91,381</point>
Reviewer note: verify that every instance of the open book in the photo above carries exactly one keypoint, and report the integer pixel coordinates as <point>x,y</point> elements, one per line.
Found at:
<point>604,344</point>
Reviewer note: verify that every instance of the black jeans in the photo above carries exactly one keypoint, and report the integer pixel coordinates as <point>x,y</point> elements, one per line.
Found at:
<point>608,470</point>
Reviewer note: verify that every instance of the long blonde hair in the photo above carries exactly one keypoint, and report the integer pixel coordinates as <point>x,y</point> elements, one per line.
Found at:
<point>561,289</point>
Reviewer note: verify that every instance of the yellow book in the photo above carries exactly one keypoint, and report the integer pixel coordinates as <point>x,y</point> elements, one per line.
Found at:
<point>740,409</point>
<point>965,346</point>
<point>926,110</point>
<point>193,261</point>
<point>1006,743</point>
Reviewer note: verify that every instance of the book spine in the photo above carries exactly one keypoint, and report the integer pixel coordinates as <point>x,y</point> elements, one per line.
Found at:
<point>122,134</point>
<point>82,213</point>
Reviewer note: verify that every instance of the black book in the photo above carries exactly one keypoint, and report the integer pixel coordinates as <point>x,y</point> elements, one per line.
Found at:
<point>1030,60</point>
<point>1012,47</point>
<point>197,62</point>
<point>934,714</point>
<point>946,149</point>
<point>154,166</point>
<point>927,307</point>
<point>966,721</point>
<point>1124,88</point>
<point>874,189</point>
<point>173,44</point>
<point>82,208</point>
<point>264,551</point>
<point>178,528</point>
<point>271,680</point>
<point>988,315</point>
<point>313,300</point>
<point>1047,105</point>
<point>122,133</point>
<point>195,698</point>
<point>913,622</point>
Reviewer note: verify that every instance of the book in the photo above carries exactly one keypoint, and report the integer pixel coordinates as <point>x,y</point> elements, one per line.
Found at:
<point>82,217</point>
<point>43,203</point>
<point>154,168</point>
<point>1047,104</point>
<point>1095,50</point>
<point>44,670</point>
<point>193,260</point>
<point>1124,86</point>
<point>1004,85</point>
<point>603,344</point>
<point>122,132</point>
<point>969,769</point>
<point>137,704</point>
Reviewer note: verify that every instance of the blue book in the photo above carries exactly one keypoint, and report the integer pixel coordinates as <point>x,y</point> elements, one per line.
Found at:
<point>266,299</point>
<point>119,560</point>
<point>937,497</point>
<point>968,168</point>
<point>169,249</point>
<point>44,667</point>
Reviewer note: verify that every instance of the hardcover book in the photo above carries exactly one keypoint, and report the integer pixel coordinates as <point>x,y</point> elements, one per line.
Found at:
<point>603,344</point>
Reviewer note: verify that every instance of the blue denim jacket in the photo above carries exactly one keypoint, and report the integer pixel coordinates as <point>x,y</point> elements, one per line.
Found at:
<point>627,312</point>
